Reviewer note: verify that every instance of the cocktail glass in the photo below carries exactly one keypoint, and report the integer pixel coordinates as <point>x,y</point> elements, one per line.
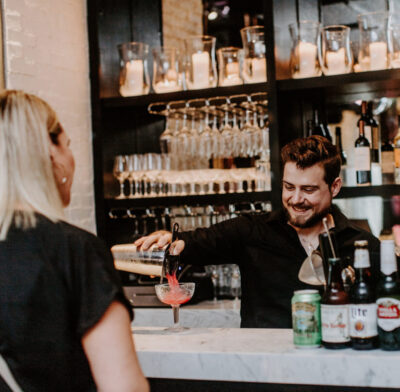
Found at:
<point>175,295</point>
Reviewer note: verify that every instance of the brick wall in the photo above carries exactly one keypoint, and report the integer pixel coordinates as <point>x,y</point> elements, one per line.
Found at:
<point>46,53</point>
<point>181,19</point>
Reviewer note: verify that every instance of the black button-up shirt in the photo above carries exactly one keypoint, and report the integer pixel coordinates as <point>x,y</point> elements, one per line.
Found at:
<point>269,254</point>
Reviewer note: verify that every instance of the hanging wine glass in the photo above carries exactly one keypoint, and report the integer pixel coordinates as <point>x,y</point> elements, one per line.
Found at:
<point>193,143</point>
<point>205,146</point>
<point>215,138</point>
<point>247,134</point>
<point>236,135</point>
<point>225,148</point>
<point>120,171</point>
<point>265,150</point>
<point>183,147</point>
<point>166,136</point>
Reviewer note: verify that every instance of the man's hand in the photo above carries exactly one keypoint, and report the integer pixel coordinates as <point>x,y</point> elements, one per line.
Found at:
<point>160,238</point>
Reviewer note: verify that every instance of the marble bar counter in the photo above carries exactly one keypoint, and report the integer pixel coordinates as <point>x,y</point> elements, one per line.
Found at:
<point>207,314</point>
<point>265,356</point>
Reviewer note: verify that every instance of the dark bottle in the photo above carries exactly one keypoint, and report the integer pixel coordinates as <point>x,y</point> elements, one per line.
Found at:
<point>387,162</point>
<point>334,309</point>
<point>388,299</point>
<point>375,134</point>
<point>339,146</point>
<point>362,157</point>
<point>319,127</point>
<point>367,126</point>
<point>362,309</point>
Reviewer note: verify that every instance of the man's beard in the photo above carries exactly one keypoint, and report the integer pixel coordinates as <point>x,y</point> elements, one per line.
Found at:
<point>311,221</point>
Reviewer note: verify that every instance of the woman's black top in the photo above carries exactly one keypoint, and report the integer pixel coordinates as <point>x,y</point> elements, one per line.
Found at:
<point>56,282</point>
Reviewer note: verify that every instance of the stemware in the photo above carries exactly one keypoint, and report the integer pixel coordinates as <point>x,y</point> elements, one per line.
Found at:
<point>120,171</point>
<point>175,295</point>
<point>225,148</point>
<point>212,271</point>
<point>133,167</point>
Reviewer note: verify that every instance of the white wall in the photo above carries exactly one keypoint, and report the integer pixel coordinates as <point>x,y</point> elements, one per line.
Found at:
<point>46,53</point>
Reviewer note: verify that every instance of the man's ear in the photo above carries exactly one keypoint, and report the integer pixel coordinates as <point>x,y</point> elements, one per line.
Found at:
<point>336,186</point>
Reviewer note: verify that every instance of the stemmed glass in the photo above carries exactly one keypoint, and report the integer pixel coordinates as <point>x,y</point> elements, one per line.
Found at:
<point>212,271</point>
<point>120,171</point>
<point>175,295</point>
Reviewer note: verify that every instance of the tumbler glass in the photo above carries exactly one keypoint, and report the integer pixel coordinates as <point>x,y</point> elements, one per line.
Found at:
<point>230,61</point>
<point>254,63</point>
<point>373,52</point>
<point>167,75</point>
<point>303,58</point>
<point>200,65</point>
<point>134,76</point>
<point>334,51</point>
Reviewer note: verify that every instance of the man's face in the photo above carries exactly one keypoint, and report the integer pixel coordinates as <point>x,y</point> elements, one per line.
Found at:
<point>306,196</point>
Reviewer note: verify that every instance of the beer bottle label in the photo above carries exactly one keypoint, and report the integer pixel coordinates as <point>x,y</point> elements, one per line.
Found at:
<point>335,323</point>
<point>388,313</point>
<point>363,320</point>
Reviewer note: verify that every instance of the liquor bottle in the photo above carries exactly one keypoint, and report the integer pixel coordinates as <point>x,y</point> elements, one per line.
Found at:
<point>319,127</point>
<point>388,299</point>
<point>362,157</point>
<point>375,134</point>
<point>397,156</point>
<point>339,146</point>
<point>334,309</point>
<point>387,162</point>
<point>367,125</point>
<point>362,309</point>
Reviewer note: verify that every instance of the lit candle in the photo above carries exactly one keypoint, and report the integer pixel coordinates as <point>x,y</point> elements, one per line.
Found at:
<point>201,70</point>
<point>232,68</point>
<point>395,63</point>
<point>378,55</point>
<point>133,84</point>
<point>232,75</point>
<point>168,84</point>
<point>335,62</point>
<point>255,70</point>
<point>307,59</point>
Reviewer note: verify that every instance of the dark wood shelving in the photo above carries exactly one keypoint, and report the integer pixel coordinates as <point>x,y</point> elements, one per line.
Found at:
<point>144,100</point>
<point>190,200</point>
<point>384,81</point>
<point>385,191</point>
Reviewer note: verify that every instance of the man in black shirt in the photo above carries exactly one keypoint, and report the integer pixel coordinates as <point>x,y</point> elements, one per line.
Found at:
<point>270,248</point>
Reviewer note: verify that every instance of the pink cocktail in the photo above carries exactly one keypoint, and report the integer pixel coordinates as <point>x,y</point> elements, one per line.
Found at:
<point>174,293</point>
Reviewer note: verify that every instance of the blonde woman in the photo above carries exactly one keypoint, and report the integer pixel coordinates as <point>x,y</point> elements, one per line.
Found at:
<point>64,321</point>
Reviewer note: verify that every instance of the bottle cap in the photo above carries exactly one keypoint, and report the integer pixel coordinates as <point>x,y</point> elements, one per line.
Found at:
<point>388,257</point>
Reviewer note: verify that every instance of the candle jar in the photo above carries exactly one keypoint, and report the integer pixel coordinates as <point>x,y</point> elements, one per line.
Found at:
<point>254,64</point>
<point>230,61</point>
<point>167,75</point>
<point>334,52</point>
<point>303,57</point>
<point>134,76</point>
<point>200,66</point>
<point>373,51</point>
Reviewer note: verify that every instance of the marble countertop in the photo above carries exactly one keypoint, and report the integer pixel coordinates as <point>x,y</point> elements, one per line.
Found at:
<point>259,355</point>
<point>206,314</point>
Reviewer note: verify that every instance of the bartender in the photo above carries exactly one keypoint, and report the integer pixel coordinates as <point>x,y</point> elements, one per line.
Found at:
<point>270,248</point>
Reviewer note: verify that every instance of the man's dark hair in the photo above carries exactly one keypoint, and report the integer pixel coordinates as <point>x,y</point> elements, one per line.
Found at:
<point>312,150</point>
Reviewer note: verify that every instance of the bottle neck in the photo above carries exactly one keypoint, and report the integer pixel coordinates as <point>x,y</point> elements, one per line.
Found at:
<point>361,128</point>
<point>335,276</point>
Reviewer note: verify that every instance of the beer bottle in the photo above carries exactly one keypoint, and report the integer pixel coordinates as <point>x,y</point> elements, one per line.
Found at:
<point>334,309</point>
<point>388,299</point>
<point>362,308</point>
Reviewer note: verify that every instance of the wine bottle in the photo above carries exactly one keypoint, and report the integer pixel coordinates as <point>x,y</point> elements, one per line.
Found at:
<point>367,125</point>
<point>362,157</point>
<point>375,134</point>
<point>343,157</point>
<point>387,162</point>
<point>319,127</point>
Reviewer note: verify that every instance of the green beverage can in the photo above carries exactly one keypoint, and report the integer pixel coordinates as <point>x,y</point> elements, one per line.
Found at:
<point>306,318</point>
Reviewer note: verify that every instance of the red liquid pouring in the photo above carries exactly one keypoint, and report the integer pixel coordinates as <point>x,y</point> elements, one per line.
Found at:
<point>177,295</point>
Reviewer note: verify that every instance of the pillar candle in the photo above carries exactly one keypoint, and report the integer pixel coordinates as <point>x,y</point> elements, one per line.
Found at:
<point>133,84</point>
<point>378,55</point>
<point>307,59</point>
<point>335,62</point>
<point>201,70</point>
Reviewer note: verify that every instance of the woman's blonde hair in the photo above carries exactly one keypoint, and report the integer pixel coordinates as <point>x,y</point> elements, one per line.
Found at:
<point>27,185</point>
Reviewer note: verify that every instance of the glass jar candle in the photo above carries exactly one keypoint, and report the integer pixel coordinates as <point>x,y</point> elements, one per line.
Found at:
<point>334,51</point>
<point>200,65</point>
<point>230,61</point>
<point>167,76</point>
<point>303,57</point>
<point>134,76</point>
<point>254,63</point>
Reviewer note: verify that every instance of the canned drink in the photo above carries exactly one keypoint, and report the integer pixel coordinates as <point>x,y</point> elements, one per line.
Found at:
<point>306,318</point>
